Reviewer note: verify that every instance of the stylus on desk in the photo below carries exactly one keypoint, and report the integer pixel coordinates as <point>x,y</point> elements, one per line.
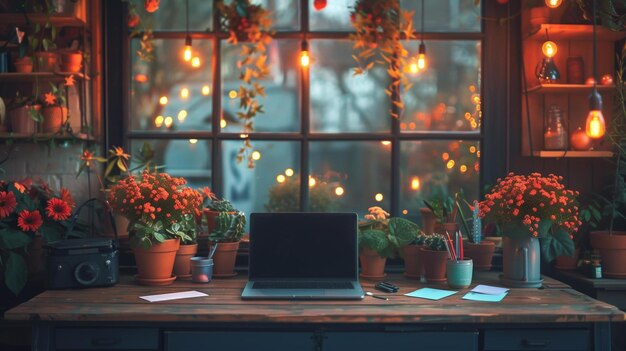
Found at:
<point>376,296</point>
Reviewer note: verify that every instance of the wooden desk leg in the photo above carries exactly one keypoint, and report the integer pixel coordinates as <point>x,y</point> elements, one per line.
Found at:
<point>602,336</point>
<point>42,339</point>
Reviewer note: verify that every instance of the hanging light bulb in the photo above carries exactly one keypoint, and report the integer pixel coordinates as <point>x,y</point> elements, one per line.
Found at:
<point>305,59</point>
<point>595,126</point>
<point>421,57</point>
<point>413,68</point>
<point>549,49</point>
<point>187,52</point>
<point>195,62</point>
<point>553,3</point>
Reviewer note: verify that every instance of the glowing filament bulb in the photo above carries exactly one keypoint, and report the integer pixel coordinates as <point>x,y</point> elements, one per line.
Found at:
<point>223,123</point>
<point>386,142</point>
<point>187,50</point>
<point>305,59</point>
<point>232,94</point>
<point>421,57</point>
<point>206,90</point>
<point>595,126</point>
<point>158,121</point>
<point>193,141</point>
<point>163,100</point>
<point>182,115</point>
<point>184,93</point>
<point>289,172</point>
<point>549,49</point>
<point>415,183</point>
<point>195,62</point>
<point>312,182</point>
<point>339,191</point>
<point>280,178</point>
<point>168,121</point>
<point>256,155</point>
<point>553,3</point>
<point>378,197</point>
<point>450,164</point>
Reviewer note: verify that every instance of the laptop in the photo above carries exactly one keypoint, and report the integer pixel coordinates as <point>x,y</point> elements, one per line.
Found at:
<point>304,256</point>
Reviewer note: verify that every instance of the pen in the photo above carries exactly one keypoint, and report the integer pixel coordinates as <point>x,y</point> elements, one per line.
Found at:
<point>461,245</point>
<point>376,296</point>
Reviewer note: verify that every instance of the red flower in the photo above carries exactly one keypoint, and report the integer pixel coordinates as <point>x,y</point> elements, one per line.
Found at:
<point>67,197</point>
<point>7,203</point>
<point>58,209</point>
<point>29,220</point>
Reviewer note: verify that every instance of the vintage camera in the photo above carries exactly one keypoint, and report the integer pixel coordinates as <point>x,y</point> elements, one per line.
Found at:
<point>82,263</point>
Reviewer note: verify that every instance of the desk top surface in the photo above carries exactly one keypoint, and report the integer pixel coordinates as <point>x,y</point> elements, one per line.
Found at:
<point>555,303</point>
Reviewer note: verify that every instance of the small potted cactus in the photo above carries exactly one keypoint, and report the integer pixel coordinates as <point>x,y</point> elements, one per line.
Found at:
<point>434,257</point>
<point>481,252</point>
<point>228,231</point>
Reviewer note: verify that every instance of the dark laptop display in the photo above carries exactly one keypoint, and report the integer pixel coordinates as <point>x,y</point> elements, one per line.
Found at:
<point>303,255</point>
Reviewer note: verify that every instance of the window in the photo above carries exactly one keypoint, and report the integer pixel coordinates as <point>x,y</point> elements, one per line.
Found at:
<point>333,126</point>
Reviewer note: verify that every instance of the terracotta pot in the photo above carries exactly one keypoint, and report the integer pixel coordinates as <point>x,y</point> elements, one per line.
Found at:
<point>21,121</point>
<point>155,264</point>
<point>224,259</point>
<point>23,65</point>
<point>481,254</point>
<point>496,240</point>
<point>182,263</point>
<point>45,61</point>
<point>612,249</point>
<point>53,118</point>
<point>372,264</point>
<point>567,263</point>
<point>434,265</point>
<point>210,218</point>
<point>71,61</point>
<point>428,220</point>
<point>413,267</point>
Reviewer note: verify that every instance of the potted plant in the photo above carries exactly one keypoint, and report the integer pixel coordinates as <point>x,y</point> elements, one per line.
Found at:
<point>54,109</point>
<point>41,39</point>
<point>537,216</point>
<point>71,60</point>
<point>31,214</point>
<point>212,206</point>
<point>412,255</point>
<point>481,252</point>
<point>444,210</point>
<point>434,257</point>
<point>23,64</point>
<point>228,231</point>
<point>155,204</point>
<point>24,112</point>
<point>188,246</point>
<point>381,237</point>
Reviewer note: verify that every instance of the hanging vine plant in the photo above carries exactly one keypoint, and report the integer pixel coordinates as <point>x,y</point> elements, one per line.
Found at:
<point>249,26</point>
<point>380,26</point>
<point>137,21</point>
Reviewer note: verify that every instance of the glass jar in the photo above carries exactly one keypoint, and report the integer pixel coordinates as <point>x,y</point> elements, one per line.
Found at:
<point>555,135</point>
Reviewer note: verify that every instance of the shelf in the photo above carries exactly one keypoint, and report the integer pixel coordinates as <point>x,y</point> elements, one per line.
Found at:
<point>568,88</point>
<point>45,136</point>
<point>572,154</point>
<point>55,20</point>
<point>574,32</point>
<point>28,77</point>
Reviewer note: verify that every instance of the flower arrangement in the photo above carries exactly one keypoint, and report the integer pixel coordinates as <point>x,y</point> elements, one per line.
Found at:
<point>156,204</point>
<point>250,24</point>
<point>379,27</point>
<point>537,206</point>
<point>385,235</point>
<point>27,209</point>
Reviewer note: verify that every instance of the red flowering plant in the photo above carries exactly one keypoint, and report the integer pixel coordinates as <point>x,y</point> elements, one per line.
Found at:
<point>29,209</point>
<point>158,206</point>
<point>536,206</point>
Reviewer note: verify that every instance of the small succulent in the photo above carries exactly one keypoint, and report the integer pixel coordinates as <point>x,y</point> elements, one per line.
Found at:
<point>436,242</point>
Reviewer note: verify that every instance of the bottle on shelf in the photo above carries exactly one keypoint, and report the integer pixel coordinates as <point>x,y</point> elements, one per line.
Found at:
<point>555,135</point>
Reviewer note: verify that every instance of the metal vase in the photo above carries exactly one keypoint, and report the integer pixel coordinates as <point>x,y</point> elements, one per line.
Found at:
<point>521,262</point>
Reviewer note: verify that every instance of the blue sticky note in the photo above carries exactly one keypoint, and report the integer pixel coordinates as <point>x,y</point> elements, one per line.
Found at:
<point>431,294</point>
<point>484,297</point>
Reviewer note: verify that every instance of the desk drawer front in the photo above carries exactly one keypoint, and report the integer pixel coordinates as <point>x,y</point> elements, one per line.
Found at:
<point>538,339</point>
<point>237,341</point>
<point>107,338</point>
<point>401,341</point>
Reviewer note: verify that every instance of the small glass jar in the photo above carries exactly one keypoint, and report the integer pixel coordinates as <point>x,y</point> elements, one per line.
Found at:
<point>555,135</point>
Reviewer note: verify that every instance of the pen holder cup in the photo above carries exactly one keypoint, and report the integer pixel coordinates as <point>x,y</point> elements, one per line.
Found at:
<point>459,273</point>
<point>201,269</point>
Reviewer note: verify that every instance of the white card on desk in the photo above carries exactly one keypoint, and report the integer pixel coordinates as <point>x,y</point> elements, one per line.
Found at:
<point>489,290</point>
<point>173,296</point>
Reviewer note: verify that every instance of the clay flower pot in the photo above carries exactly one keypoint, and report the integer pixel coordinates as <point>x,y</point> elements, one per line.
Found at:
<point>567,263</point>
<point>434,265</point>
<point>210,216</point>
<point>428,220</point>
<point>612,249</point>
<point>71,61</point>
<point>155,264</point>
<point>481,254</point>
<point>45,61</point>
<point>413,267</point>
<point>23,65</point>
<point>182,262</point>
<point>53,118</point>
<point>372,264</point>
<point>224,259</point>
<point>21,121</point>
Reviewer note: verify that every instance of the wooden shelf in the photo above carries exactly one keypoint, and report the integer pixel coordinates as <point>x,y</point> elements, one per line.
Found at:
<point>45,136</point>
<point>572,154</point>
<point>55,20</point>
<point>28,77</point>
<point>574,32</point>
<point>568,88</point>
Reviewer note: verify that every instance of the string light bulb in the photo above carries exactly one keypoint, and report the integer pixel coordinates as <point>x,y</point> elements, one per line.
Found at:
<point>305,59</point>
<point>595,127</point>
<point>421,57</point>
<point>549,49</point>
<point>553,3</point>
<point>195,62</point>
<point>187,53</point>
<point>413,68</point>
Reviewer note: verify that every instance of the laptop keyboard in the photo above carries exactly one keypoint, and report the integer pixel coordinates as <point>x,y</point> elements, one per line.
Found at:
<point>302,285</point>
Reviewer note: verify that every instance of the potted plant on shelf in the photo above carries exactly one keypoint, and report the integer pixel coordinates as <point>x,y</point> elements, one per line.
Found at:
<point>41,39</point>
<point>381,237</point>
<point>188,246</point>
<point>71,60</point>
<point>481,252</point>
<point>155,204</point>
<point>24,112</point>
<point>55,111</point>
<point>412,255</point>
<point>23,64</point>
<point>228,231</point>
<point>537,216</point>
<point>434,257</point>
<point>212,206</point>
<point>444,210</point>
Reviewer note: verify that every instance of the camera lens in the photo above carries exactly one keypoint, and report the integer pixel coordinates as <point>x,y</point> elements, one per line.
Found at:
<point>86,273</point>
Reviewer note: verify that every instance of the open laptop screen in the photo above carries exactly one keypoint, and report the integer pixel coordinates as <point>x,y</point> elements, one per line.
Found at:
<point>303,245</point>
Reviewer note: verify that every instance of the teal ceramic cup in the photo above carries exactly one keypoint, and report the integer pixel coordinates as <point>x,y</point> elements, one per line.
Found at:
<point>459,273</point>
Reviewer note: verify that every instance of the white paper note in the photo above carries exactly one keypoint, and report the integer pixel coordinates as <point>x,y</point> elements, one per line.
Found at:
<point>173,296</point>
<point>489,290</point>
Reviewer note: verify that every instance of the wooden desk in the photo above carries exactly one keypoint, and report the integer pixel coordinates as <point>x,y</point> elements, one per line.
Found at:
<point>553,318</point>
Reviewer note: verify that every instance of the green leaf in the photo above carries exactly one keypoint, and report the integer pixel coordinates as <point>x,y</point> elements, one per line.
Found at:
<point>402,231</point>
<point>159,237</point>
<point>556,244</point>
<point>15,273</point>
<point>11,239</point>
<point>373,239</point>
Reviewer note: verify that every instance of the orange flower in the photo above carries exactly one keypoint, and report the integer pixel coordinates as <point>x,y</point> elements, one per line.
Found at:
<point>58,209</point>
<point>69,81</point>
<point>87,157</point>
<point>67,197</point>
<point>49,98</point>
<point>7,203</point>
<point>29,221</point>
<point>21,188</point>
<point>119,152</point>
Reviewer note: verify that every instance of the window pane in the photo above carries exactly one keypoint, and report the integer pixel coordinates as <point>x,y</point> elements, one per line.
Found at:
<point>256,190</point>
<point>431,168</point>
<point>341,101</point>
<point>285,13</point>
<point>188,158</point>
<point>357,173</point>
<point>187,89</point>
<point>171,15</point>
<point>282,98</point>
<point>446,96</point>
<point>445,16</point>
<point>334,17</point>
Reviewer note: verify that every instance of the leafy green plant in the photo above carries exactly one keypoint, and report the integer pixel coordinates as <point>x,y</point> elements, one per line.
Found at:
<point>385,236</point>
<point>435,242</point>
<point>218,205</point>
<point>420,238</point>
<point>443,207</point>
<point>42,36</point>
<point>26,101</point>
<point>229,227</point>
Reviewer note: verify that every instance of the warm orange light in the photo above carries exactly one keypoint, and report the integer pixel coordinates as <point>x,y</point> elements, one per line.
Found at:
<point>553,3</point>
<point>386,142</point>
<point>595,126</point>
<point>413,68</point>
<point>549,49</point>
<point>280,178</point>
<point>158,121</point>
<point>404,212</point>
<point>339,191</point>
<point>182,115</point>
<point>193,141</point>
<point>141,78</point>
<point>168,121</point>
<point>421,61</point>
<point>195,62</point>
<point>312,182</point>
<point>305,59</point>
<point>223,124</point>
<point>206,90</point>
<point>472,149</point>
<point>445,156</point>
<point>450,164</point>
<point>232,94</point>
<point>378,197</point>
<point>163,100</point>
<point>187,53</point>
<point>289,172</point>
<point>184,93</point>
<point>256,155</point>
<point>415,183</point>
<point>463,168</point>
